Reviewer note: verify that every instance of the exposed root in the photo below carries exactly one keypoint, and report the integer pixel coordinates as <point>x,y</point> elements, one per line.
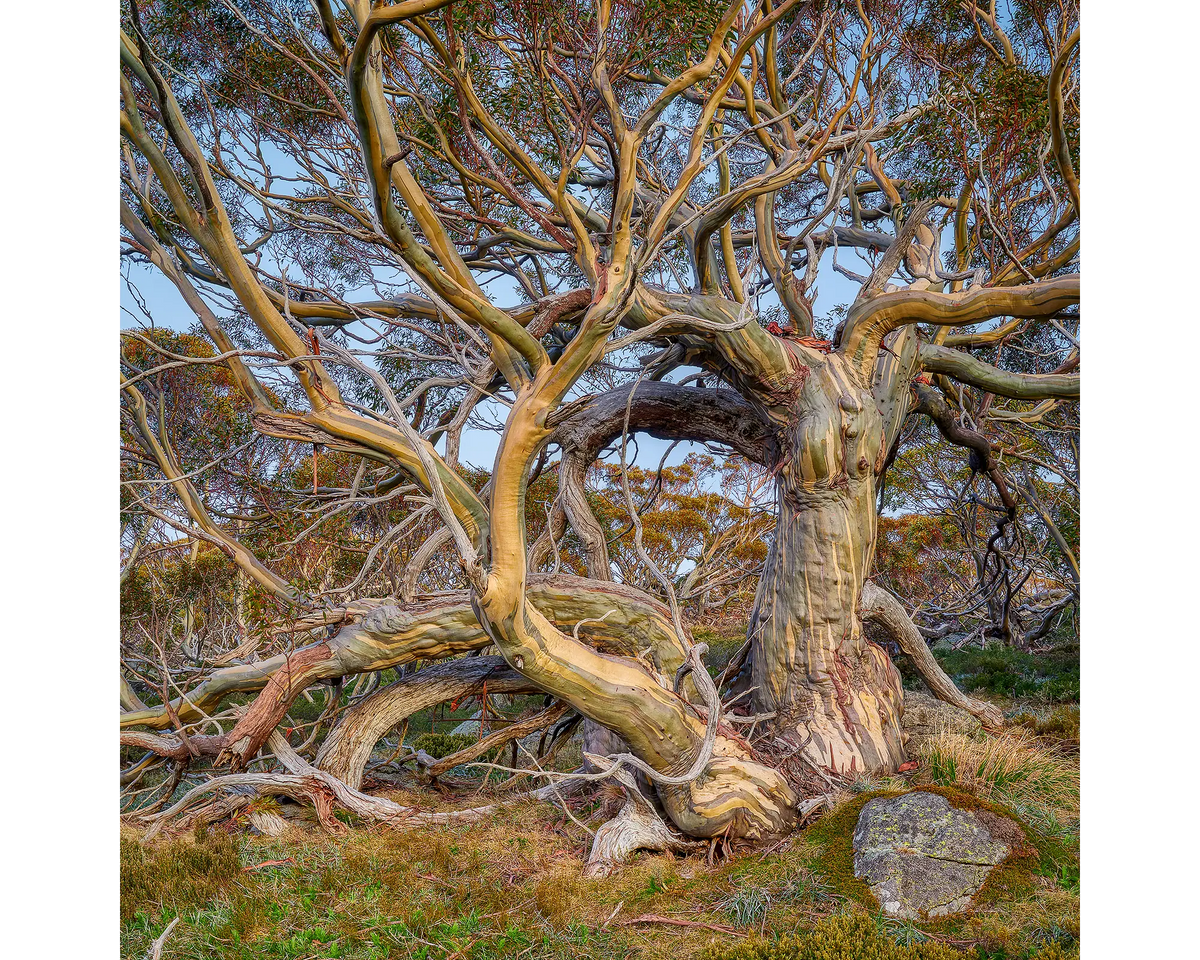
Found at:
<point>183,819</point>
<point>267,822</point>
<point>637,827</point>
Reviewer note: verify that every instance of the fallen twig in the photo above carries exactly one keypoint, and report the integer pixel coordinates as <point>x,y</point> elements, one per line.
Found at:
<point>267,863</point>
<point>156,948</point>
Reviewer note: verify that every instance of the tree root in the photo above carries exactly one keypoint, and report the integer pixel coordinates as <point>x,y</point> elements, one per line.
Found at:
<point>156,948</point>
<point>637,827</point>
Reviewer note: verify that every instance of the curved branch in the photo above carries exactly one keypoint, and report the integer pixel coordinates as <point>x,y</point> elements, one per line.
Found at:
<point>746,351</point>
<point>388,636</point>
<point>664,410</point>
<point>880,607</point>
<point>346,750</point>
<point>667,411</point>
<point>1062,150</point>
<point>386,168</point>
<point>968,369</point>
<point>869,322</point>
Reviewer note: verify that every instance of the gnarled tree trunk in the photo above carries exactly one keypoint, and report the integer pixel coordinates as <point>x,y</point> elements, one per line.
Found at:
<point>835,695</point>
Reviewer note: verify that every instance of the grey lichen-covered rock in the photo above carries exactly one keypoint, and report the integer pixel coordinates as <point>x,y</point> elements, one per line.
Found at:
<point>469,726</point>
<point>922,857</point>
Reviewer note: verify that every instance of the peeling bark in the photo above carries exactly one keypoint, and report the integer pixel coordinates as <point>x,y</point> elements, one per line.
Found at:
<point>822,416</point>
<point>836,697</point>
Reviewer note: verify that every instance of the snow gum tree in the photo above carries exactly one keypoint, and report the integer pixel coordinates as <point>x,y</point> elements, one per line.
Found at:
<point>596,220</point>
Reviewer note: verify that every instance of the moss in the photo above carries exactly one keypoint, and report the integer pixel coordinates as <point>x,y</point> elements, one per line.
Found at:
<point>1039,855</point>
<point>840,937</point>
<point>1056,951</point>
<point>835,833</point>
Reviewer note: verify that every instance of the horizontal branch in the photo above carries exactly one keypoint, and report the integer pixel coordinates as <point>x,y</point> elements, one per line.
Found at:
<point>388,636</point>
<point>968,369</point>
<point>667,411</point>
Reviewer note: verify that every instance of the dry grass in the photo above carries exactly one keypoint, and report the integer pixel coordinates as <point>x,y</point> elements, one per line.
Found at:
<point>508,887</point>
<point>511,886</point>
<point>1013,768</point>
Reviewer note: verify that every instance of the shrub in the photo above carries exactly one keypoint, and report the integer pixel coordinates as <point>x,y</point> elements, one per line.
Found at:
<point>722,645</point>
<point>443,744</point>
<point>1052,676</point>
<point>1061,725</point>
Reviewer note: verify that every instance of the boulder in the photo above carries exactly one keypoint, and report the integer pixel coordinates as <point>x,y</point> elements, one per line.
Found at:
<point>469,726</point>
<point>922,857</point>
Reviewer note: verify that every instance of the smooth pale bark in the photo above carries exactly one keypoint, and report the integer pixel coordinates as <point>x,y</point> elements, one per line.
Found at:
<point>734,793</point>
<point>346,750</point>
<point>966,368</point>
<point>836,696</point>
<point>389,636</point>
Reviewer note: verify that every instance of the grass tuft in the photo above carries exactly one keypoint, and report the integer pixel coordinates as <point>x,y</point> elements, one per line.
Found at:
<point>1012,768</point>
<point>747,906</point>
